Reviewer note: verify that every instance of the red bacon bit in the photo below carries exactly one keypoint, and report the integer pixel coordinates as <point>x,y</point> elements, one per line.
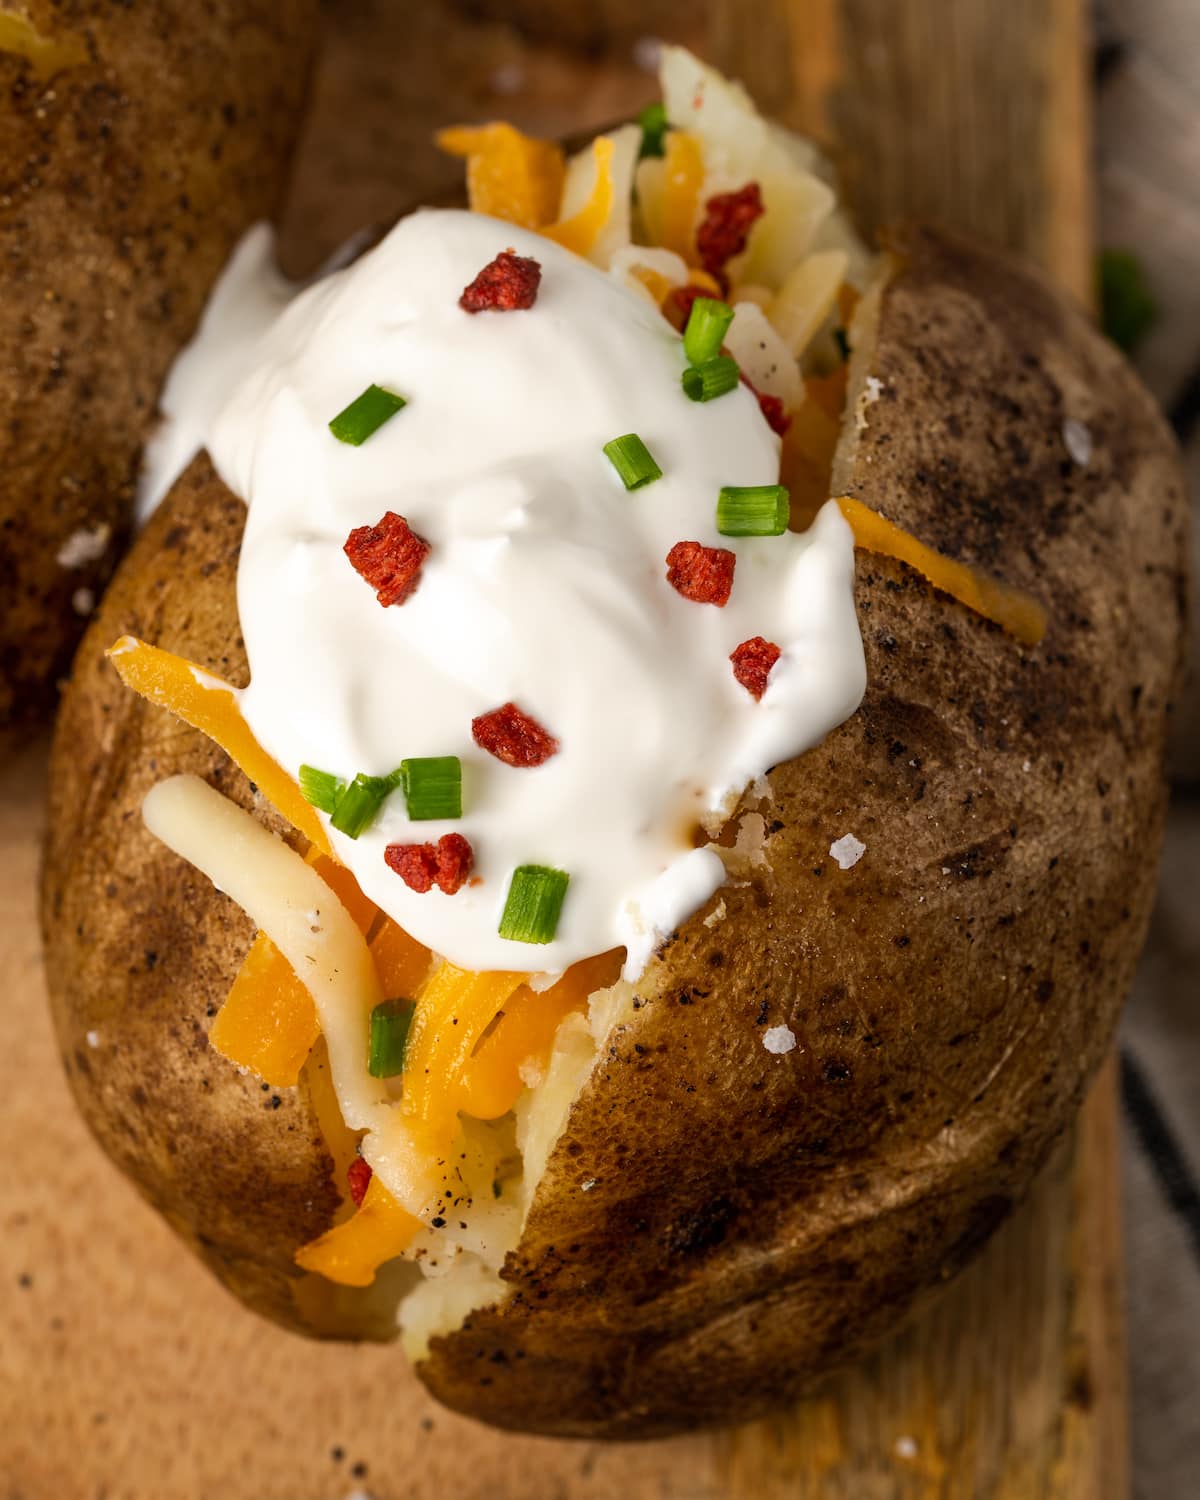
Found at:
<point>702,574</point>
<point>728,219</point>
<point>752,663</point>
<point>771,407</point>
<point>445,864</point>
<point>455,857</point>
<point>677,309</point>
<point>416,865</point>
<point>358,1175</point>
<point>507,284</point>
<point>388,556</point>
<point>513,737</point>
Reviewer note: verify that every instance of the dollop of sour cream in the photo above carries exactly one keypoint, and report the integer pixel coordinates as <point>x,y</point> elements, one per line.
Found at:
<point>545,584</point>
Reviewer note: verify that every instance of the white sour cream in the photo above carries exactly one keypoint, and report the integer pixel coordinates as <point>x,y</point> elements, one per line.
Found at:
<point>546,584</point>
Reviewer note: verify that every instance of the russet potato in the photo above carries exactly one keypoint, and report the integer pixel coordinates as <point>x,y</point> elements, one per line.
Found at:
<point>719,1224</point>
<point>138,143</point>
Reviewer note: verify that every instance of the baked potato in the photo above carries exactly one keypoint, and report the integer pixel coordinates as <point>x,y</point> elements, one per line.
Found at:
<point>139,143</point>
<point>751,1219</point>
<point>713,1179</point>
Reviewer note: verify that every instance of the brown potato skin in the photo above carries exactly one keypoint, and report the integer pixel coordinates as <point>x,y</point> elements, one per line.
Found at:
<point>754,1219</point>
<point>141,950</point>
<point>125,181</point>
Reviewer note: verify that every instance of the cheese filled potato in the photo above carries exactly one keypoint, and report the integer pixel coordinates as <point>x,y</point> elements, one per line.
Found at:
<point>139,142</point>
<point>530,870</point>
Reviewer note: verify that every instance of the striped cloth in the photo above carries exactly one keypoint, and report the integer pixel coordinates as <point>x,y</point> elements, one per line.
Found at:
<point>1148,139</point>
<point>1160,1088</point>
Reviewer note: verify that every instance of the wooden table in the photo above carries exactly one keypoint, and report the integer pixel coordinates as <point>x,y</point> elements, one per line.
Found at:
<point>127,1373</point>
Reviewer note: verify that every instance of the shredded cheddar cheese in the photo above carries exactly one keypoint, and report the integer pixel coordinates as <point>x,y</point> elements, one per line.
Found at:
<point>454,1009</point>
<point>581,231</point>
<point>47,55</point>
<point>350,1253</point>
<point>268,1022</point>
<point>806,454</point>
<point>210,705</point>
<point>400,961</point>
<point>492,1078</point>
<point>509,175</point>
<point>707,283</point>
<point>1022,616</point>
<point>683,181</point>
<point>655,282</point>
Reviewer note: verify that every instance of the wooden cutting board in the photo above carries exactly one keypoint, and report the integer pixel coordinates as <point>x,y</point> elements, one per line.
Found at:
<point>126,1373</point>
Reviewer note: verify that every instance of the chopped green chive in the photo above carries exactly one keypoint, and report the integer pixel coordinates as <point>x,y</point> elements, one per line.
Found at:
<point>358,805</point>
<point>535,898</point>
<point>432,787</point>
<point>390,1022</point>
<point>633,461</point>
<point>653,120</point>
<point>365,415</point>
<point>711,379</point>
<point>752,510</point>
<point>320,788</point>
<point>707,324</point>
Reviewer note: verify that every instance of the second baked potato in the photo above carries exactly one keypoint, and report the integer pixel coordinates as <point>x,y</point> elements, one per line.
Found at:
<point>139,142</point>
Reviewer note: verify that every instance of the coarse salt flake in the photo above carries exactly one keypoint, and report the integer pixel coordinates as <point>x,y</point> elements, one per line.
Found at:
<point>870,393</point>
<point>83,601</point>
<point>93,1039</point>
<point>1077,439</point>
<point>84,546</point>
<point>847,850</point>
<point>531,1073</point>
<point>647,51</point>
<point>779,1039</point>
<point>906,1447</point>
<point>508,78</point>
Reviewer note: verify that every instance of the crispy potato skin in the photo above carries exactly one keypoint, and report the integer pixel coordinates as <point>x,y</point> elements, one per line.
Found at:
<point>128,169</point>
<point>753,1218</point>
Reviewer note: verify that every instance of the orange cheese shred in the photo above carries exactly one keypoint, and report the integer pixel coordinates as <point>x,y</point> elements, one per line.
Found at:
<point>848,298</point>
<point>491,1080</point>
<point>350,1253</point>
<point>400,961</point>
<point>509,175</point>
<point>828,392</point>
<point>342,883</point>
<point>454,1009</point>
<point>211,705</point>
<point>342,1142</point>
<point>708,284</point>
<point>581,231</point>
<point>47,55</point>
<point>1022,616</point>
<point>268,1022</point>
<point>654,281</point>
<point>683,180</point>
<point>806,453</point>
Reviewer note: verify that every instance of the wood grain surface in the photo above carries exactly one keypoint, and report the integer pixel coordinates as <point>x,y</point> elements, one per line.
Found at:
<point>126,1373</point>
